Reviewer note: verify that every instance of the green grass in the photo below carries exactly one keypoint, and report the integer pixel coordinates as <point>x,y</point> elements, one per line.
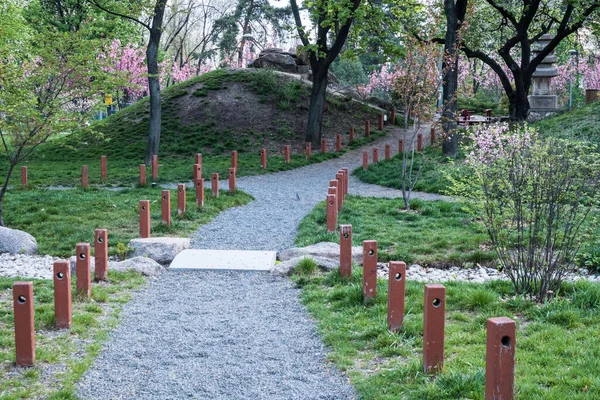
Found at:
<point>434,233</point>
<point>582,123</point>
<point>62,356</point>
<point>557,356</point>
<point>59,219</point>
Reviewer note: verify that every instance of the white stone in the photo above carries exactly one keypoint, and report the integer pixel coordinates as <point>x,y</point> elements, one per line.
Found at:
<point>143,265</point>
<point>323,249</point>
<point>238,260</point>
<point>161,249</point>
<point>14,241</point>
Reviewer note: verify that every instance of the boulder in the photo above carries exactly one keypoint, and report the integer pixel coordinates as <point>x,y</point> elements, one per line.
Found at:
<point>277,61</point>
<point>161,249</point>
<point>72,262</point>
<point>285,268</point>
<point>14,241</point>
<point>331,78</point>
<point>320,250</point>
<point>143,265</point>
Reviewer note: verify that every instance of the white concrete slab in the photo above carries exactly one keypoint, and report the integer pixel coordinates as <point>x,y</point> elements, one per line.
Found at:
<point>235,260</point>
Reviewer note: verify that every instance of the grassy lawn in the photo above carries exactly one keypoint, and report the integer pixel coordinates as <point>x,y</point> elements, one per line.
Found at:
<point>59,219</point>
<point>62,355</point>
<point>557,354</point>
<point>434,233</point>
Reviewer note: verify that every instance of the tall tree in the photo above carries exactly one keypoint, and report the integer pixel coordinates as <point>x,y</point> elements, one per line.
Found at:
<point>331,18</point>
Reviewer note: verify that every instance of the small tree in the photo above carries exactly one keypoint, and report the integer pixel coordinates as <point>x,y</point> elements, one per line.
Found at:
<point>534,196</point>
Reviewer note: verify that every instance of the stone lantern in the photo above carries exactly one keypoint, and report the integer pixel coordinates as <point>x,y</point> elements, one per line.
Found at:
<point>543,100</point>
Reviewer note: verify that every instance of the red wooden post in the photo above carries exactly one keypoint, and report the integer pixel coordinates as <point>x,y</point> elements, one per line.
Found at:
<point>234,159</point>
<point>142,174</point>
<point>331,212</point>
<point>338,143</point>
<point>400,146</point>
<point>432,135</point>
<point>393,116</point>
<point>351,135</point>
<point>286,154</point>
<point>388,151</point>
<point>365,160</point>
<point>215,184</point>
<point>433,327</point>
<point>323,146</point>
<point>84,176</point>
<point>62,294</point>
<point>345,250</point>
<point>166,207</point>
<point>347,180</point>
<point>144,218</point>
<point>396,294</point>
<point>420,142</point>
<point>263,158</point>
<point>488,114</point>
<point>24,176</point>
<point>199,192</point>
<point>340,179</point>
<point>380,122</point>
<point>500,359</point>
<point>369,269</point>
<point>103,168</point>
<point>308,150</point>
<point>232,180</point>
<point>334,184</point>
<point>197,173</point>
<point>154,166</point>
<point>24,325</point>
<point>82,269</point>
<point>367,128</point>
<point>181,199</point>
<point>375,155</point>
<point>199,159</point>
<point>101,254</point>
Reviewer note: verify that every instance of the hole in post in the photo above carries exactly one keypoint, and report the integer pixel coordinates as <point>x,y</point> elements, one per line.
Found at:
<point>505,341</point>
<point>144,208</point>
<point>21,299</point>
<point>60,276</point>
<point>198,184</point>
<point>214,178</point>
<point>82,256</point>
<point>180,190</point>
<point>164,197</point>
<point>398,276</point>
<point>346,235</point>
<point>331,202</point>
<point>100,239</point>
<point>436,302</point>
<point>371,252</point>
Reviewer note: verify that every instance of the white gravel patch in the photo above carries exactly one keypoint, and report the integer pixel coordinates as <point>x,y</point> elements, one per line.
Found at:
<point>20,265</point>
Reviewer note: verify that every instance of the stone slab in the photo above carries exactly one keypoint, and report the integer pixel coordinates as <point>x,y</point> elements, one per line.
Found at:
<point>233,260</point>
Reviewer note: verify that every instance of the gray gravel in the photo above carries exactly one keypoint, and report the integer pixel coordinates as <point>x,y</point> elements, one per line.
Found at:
<point>215,335</point>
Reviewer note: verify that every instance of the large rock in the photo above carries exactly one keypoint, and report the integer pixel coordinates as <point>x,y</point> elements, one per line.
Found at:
<point>161,249</point>
<point>285,268</point>
<point>277,61</point>
<point>143,265</point>
<point>331,78</point>
<point>14,241</point>
<point>322,250</point>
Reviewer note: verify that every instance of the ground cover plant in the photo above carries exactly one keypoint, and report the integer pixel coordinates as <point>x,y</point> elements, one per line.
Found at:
<point>556,351</point>
<point>62,356</point>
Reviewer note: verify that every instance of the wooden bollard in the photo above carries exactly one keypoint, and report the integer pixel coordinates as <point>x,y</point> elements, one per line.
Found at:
<point>340,179</point>
<point>396,294</point>
<point>166,207</point>
<point>367,128</point>
<point>375,155</point>
<point>199,184</point>
<point>263,158</point>
<point>63,314</point>
<point>144,218</point>
<point>308,150</point>
<point>369,269</point>
<point>345,250</point>
<point>214,182</point>
<point>142,174</point>
<point>420,142</point>
<point>351,135</point>
<point>432,137</point>
<point>337,185</point>
<point>181,199</point>
<point>199,159</point>
<point>84,176</point>
<point>400,146</point>
<point>387,152</point>
<point>101,254</point>
<point>332,212</point>
<point>154,166</point>
<point>234,159</point>
<point>380,122</point>
<point>197,173</point>
<point>500,359</point>
<point>433,327</point>
<point>82,269</point>
<point>338,143</point>
<point>232,180</point>
<point>103,168</point>
<point>323,146</point>
<point>24,325</point>
<point>24,176</point>
<point>347,180</point>
<point>365,160</point>
<point>287,153</point>
<point>393,116</point>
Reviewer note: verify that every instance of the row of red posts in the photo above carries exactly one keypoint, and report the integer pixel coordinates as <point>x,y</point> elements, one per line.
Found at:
<point>501,332</point>
<point>336,193</point>
<point>63,315</point>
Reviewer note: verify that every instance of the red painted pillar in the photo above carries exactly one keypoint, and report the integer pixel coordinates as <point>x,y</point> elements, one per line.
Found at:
<point>334,184</point>
<point>197,174</point>
<point>433,327</point>
<point>347,180</point>
<point>214,180</point>
<point>166,207</point>
<point>144,218</point>
<point>103,168</point>
<point>432,135</point>
<point>380,122</point>
<point>369,269</point>
<point>199,159</point>
<point>308,150</point>
<point>488,114</point>
<point>142,174</point>
<point>393,116</point>
<point>331,212</point>
<point>323,146</point>
<point>340,179</point>
<point>396,294</point>
<point>345,250</point>
<point>199,192</point>
<point>234,159</point>
<point>365,160</point>
<point>338,143</point>
<point>181,199</point>
<point>154,166</point>
<point>388,151</point>
<point>420,142</point>
<point>24,324</point>
<point>367,128</point>
<point>375,155</point>
<point>84,176</point>
<point>500,359</point>
<point>287,153</point>
<point>232,180</point>
<point>351,135</point>
<point>24,176</point>
<point>400,146</point>
<point>82,269</point>
<point>101,254</point>
<point>62,294</point>
<point>263,158</point>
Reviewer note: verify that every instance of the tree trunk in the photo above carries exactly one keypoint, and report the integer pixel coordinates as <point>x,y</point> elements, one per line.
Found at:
<point>4,188</point>
<point>518,108</point>
<point>154,87</point>
<point>317,106</point>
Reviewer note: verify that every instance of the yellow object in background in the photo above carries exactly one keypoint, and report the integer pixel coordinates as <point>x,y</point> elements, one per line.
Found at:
<point>108,99</point>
